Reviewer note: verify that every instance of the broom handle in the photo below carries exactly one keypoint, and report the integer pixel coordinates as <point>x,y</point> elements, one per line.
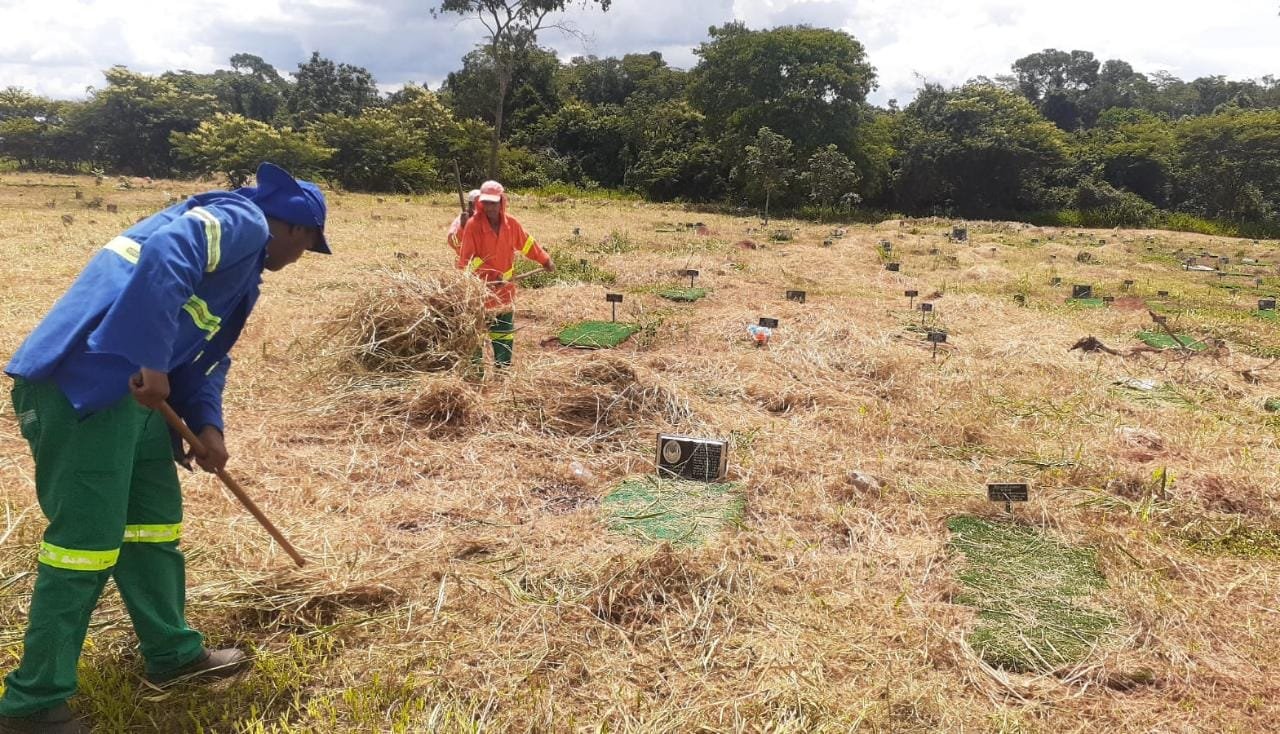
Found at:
<point>179,425</point>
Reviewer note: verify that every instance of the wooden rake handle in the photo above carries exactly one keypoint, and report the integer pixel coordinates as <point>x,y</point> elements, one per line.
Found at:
<point>179,425</point>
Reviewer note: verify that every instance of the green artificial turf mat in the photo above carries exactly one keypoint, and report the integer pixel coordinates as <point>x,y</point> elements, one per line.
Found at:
<point>684,295</point>
<point>1161,340</point>
<point>1032,595</point>
<point>596,334</point>
<point>673,510</point>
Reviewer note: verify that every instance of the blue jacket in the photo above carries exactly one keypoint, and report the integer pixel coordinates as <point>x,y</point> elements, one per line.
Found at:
<point>171,294</point>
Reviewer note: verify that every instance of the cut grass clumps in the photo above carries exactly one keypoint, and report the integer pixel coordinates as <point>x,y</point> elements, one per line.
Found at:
<point>1235,538</point>
<point>683,295</point>
<point>569,269</point>
<point>1032,596</point>
<point>596,334</point>
<point>1161,340</point>
<point>671,510</point>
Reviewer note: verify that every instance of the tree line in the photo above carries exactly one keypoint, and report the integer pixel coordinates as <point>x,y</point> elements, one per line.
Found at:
<point>774,118</point>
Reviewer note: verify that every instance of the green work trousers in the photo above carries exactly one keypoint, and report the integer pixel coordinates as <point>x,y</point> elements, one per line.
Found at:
<point>109,487</point>
<point>502,332</point>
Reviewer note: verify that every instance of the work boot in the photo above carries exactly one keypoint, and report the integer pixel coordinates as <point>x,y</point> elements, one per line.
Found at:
<point>213,665</point>
<point>57,720</point>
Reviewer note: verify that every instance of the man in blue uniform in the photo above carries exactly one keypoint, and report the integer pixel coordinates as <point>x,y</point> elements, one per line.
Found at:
<point>152,317</point>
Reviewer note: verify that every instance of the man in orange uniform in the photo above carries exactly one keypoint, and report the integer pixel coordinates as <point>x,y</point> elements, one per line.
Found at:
<point>489,246</point>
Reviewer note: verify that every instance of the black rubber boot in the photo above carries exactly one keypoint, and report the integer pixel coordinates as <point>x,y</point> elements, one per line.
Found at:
<point>58,720</point>
<point>213,665</point>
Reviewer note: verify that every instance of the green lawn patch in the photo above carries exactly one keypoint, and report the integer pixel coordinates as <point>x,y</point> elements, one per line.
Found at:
<point>683,295</point>
<point>596,334</point>
<point>1269,315</point>
<point>1032,596</point>
<point>672,510</point>
<point>1161,340</point>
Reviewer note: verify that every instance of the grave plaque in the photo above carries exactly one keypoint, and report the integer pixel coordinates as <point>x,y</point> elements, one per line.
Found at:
<point>937,337</point>
<point>1020,299</point>
<point>797,296</point>
<point>1007,493</point>
<point>826,243</point>
<point>1266,304</point>
<point>926,308</point>
<point>1128,284</point>
<point>691,275</point>
<point>960,234</point>
<point>1082,291</point>
<point>613,298</point>
<point>768,323</point>
<point>576,231</point>
<point>1162,294</point>
<point>700,459</point>
<point>1108,300</point>
<point>1056,281</point>
<point>892,267</point>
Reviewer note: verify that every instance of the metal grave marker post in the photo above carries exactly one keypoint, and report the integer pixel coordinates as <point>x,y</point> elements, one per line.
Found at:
<point>911,294</point>
<point>797,296</point>
<point>936,338</point>
<point>692,275</point>
<point>1128,284</point>
<point>1008,493</point>
<point>613,299</point>
<point>1266,304</point>
<point>768,323</point>
<point>699,459</point>
<point>1082,291</point>
<point>1162,294</point>
<point>892,267</point>
<point>925,309</point>
<point>1108,300</point>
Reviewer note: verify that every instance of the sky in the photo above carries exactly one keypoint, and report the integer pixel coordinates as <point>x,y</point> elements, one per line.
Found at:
<point>60,47</point>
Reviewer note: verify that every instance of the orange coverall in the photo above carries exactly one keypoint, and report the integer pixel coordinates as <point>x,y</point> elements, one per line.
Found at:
<point>492,255</point>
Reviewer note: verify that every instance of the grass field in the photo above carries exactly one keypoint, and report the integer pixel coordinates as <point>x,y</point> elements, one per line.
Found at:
<point>466,575</point>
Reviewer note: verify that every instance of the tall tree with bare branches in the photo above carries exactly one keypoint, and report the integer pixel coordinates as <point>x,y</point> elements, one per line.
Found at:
<point>512,28</point>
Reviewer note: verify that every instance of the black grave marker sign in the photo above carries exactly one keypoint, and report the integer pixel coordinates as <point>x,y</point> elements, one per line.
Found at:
<point>1082,291</point>
<point>699,459</point>
<point>797,296</point>
<point>911,294</point>
<point>1008,493</point>
<point>691,275</point>
<point>1056,281</point>
<point>937,337</point>
<point>613,299</point>
<point>892,267</point>
<point>768,323</point>
<point>1266,304</point>
<point>1162,294</point>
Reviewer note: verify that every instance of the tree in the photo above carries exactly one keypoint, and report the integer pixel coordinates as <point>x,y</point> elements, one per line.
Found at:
<point>1054,81</point>
<point>673,159</point>
<point>1229,166</point>
<point>512,27</point>
<point>324,87</point>
<point>808,84</point>
<point>130,121</point>
<point>532,93</point>
<point>978,150</point>
<point>767,165</point>
<point>832,179</point>
<point>234,145</point>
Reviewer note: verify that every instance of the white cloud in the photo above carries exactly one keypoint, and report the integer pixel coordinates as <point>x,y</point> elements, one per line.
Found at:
<point>59,47</point>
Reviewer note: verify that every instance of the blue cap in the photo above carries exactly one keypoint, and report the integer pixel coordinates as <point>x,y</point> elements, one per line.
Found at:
<point>281,196</point>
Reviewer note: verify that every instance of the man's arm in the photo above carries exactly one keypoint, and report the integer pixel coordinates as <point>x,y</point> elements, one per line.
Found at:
<point>202,409</point>
<point>530,248</point>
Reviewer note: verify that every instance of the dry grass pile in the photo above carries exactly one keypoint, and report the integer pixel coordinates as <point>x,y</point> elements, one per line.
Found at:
<point>413,320</point>
<point>599,398</point>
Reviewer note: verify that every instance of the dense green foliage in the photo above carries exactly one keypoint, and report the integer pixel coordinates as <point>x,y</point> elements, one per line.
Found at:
<point>773,118</point>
